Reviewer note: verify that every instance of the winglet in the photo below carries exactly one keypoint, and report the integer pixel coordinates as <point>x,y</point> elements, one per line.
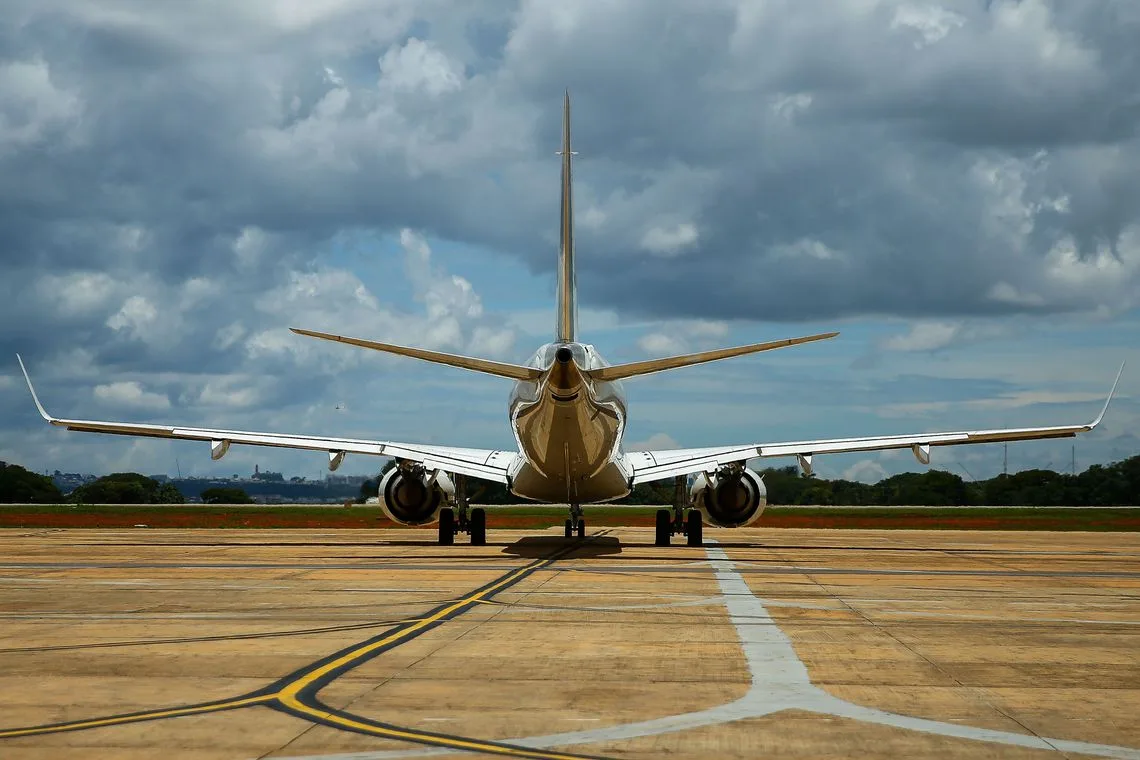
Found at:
<point>28,380</point>
<point>1108,400</point>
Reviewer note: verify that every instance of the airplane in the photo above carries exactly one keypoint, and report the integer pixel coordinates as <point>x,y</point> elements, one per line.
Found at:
<point>568,414</point>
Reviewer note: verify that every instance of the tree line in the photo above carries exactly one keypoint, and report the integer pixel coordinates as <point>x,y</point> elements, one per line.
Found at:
<point>1116,484</point>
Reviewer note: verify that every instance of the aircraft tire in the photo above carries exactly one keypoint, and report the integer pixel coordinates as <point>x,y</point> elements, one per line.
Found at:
<point>694,529</point>
<point>664,527</point>
<point>446,526</point>
<point>569,528</point>
<point>581,529</point>
<point>478,527</point>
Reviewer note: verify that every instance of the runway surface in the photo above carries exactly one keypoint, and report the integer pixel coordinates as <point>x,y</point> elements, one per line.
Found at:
<point>380,644</point>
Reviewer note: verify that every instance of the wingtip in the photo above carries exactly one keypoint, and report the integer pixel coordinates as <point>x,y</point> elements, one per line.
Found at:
<point>315,334</point>
<point>1111,393</point>
<point>35,398</point>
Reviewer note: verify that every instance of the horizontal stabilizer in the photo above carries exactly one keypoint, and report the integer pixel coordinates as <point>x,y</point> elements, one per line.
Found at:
<point>486,366</point>
<point>621,371</point>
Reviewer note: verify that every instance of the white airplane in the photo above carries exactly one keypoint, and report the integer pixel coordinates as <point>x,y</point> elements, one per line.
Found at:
<point>568,414</point>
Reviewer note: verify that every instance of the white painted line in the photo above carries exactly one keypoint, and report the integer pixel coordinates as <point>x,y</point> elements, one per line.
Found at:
<point>780,681</point>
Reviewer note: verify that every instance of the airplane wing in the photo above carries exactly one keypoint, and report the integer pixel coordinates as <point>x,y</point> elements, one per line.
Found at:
<point>479,463</point>
<point>658,465</point>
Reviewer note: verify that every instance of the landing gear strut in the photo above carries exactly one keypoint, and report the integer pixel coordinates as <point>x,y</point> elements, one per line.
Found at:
<point>675,521</point>
<point>462,519</point>
<point>575,523</point>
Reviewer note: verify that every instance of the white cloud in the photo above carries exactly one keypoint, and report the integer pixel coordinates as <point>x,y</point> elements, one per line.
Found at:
<point>229,392</point>
<point>788,106</point>
<point>131,394</point>
<point>935,335</point>
<point>1003,292</point>
<point>32,106</point>
<point>336,300</point>
<point>806,248</point>
<point>661,344</point>
<point>669,241</point>
<point>249,245</point>
<point>491,342</point>
<point>683,336</point>
<point>655,442</point>
<point>444,295</point>
<point>333,78</point>
<point>865,471</point>
<point>132,237</point>
<point>138,318</point>
<point>592,218</point>
<point>1005,402</point>
<point>419,66</point>
<point>932,22</point>
<point>197,291</point>
<point>924,336</point>
<point>705,328</point>
<point>229,335</point>
<point>78,292</point>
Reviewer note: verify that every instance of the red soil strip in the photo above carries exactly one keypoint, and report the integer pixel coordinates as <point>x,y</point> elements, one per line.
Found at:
<point>165,517</point>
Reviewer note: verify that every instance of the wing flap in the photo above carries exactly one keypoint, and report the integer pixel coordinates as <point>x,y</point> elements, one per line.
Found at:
<point>657,465</point>
<point>479,463</point>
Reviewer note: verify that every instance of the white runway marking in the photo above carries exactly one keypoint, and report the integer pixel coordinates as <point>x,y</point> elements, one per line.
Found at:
<point>780,681</point>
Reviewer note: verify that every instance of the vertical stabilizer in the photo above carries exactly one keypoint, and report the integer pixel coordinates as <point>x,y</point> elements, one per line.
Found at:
<point>567,328</point>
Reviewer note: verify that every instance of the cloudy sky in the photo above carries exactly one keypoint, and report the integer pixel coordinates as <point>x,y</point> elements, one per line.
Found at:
<point>954,185</point>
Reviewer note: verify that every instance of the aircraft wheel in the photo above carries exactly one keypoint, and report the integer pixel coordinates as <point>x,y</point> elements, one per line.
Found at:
<point>478,527</point>
<point>446,527</point>
<point>581,529</point>
<point>569,528</point>
<point>664,527</point>
<point>695,529</point>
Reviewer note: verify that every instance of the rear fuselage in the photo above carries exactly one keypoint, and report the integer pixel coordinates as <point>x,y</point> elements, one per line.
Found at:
<point>569,429</point>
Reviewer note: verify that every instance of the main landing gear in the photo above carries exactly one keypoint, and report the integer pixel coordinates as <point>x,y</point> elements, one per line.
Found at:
<point>461,519</point>
<point>575,522</point>
<point>676,521</point>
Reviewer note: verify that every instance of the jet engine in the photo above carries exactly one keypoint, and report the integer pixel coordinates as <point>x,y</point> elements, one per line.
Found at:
<point>731,497</point>
<point>413,495</point>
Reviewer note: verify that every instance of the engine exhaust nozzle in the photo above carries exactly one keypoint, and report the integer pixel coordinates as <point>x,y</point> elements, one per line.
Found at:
<point>565,375</point>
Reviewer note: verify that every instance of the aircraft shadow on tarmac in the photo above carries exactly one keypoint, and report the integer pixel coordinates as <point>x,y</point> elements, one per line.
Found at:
<point>536,547</point>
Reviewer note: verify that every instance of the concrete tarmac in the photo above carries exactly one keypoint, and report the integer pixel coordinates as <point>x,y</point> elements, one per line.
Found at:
<point>379,644</point>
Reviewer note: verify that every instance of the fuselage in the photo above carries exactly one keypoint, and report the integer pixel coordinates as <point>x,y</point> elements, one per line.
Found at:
<point>568,428</point>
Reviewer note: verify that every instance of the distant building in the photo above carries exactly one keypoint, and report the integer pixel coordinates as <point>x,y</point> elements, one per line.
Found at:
<point>273,477</point>
<point>69,481</point>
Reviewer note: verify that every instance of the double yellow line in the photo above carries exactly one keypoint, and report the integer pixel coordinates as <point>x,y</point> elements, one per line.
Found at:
<point>118,720</point>
<point>296,695</point>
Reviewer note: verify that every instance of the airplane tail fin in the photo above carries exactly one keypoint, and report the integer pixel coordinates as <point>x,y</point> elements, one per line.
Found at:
<point>486,366</point>
<point>567,325</point>
<point>633,369</point>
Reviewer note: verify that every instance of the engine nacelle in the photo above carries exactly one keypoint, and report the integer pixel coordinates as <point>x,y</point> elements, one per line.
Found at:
<point>732,497</point>
<point>413,495</point>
